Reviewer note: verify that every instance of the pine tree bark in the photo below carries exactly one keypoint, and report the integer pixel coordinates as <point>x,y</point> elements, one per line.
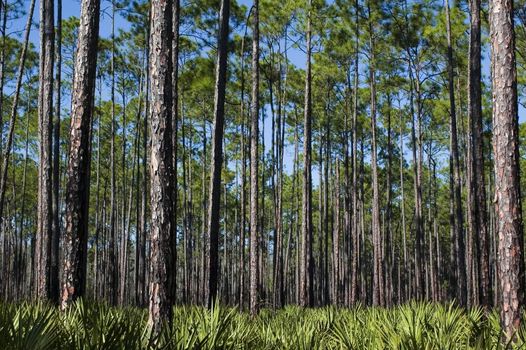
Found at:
<point>378,273</point>
<point>96,253</point>
<point>254,164</point>
<point>113,268</point>
<point>389,246</point>
<point>143,263</point>
<point>161,167</point>
<point>217,152</point>
<point>457,195</point>
<point>406,275</point>
<point>4,12</point>
<point>477,142</point>
<point>54,281</point>
<point>77,189</point>
<point>507,199</point>
<point>355,242</point>
<point>45,125</point>
<point>307,261</point>
<point>243,199</point>
<point>176,13</point>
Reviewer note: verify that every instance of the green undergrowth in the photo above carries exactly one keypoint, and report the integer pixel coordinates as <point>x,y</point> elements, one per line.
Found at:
<point>97,326</point>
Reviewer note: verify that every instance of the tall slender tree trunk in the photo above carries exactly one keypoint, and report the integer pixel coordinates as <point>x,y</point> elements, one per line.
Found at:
<point>242,288</point>
<point>389,244</point>
<point>113,278</point>
<point>508,208</point>
<point>254,164</point>
<point>477,142</point>
<point>123,249</point>
<point>162,232</point>
<point>4,6</point>
<point>459,221</point>
<point>278,284</point>
<point>336,240</point>
<point>96,254</point>
<point>138,186</point>
<point>45,115</point>
<point>77,189</point>
<point>378,273</point>
<point>176,13</point>
<point>217,152</point>
<point>296,211</point>
<point>21,273</point>
<point>142,259</point>
<point>307,261</point>
<point>55,238</point>
<point>355,243</point>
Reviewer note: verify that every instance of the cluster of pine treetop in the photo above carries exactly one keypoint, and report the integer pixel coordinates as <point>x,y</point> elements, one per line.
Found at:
<point>263,153</point>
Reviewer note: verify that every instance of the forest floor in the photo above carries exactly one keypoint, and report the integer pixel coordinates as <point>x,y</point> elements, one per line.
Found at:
<point>97,326</point>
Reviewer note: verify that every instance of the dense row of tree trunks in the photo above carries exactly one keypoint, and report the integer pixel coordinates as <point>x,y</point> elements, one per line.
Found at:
<point>354,254</point>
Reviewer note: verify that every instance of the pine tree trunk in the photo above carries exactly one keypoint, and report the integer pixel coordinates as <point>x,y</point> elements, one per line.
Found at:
<point>477,142</point>
<point>378,273</point>
<point>123,231</point>
<point>217,153</point>
<point>3,5</point>
<point>507,200</point>
<point>114,261</point>
<point>296,211</point>
<point>21,273</point>
<point>458,215</point>
<point>389,261</point>
<point>307,261</point>
<point>162,232</point>
<point>355,243</point>
<point>143,260</point>
<point>96,254</point>
<point>254,137</point>
<point>176,13</point>
<point>77,189</point>
<point>243,214</point>
<point>45,111</point>
<point>406,275</point>
<point>336,240</point>
<point>279,287</point>
<point>54,280</point>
